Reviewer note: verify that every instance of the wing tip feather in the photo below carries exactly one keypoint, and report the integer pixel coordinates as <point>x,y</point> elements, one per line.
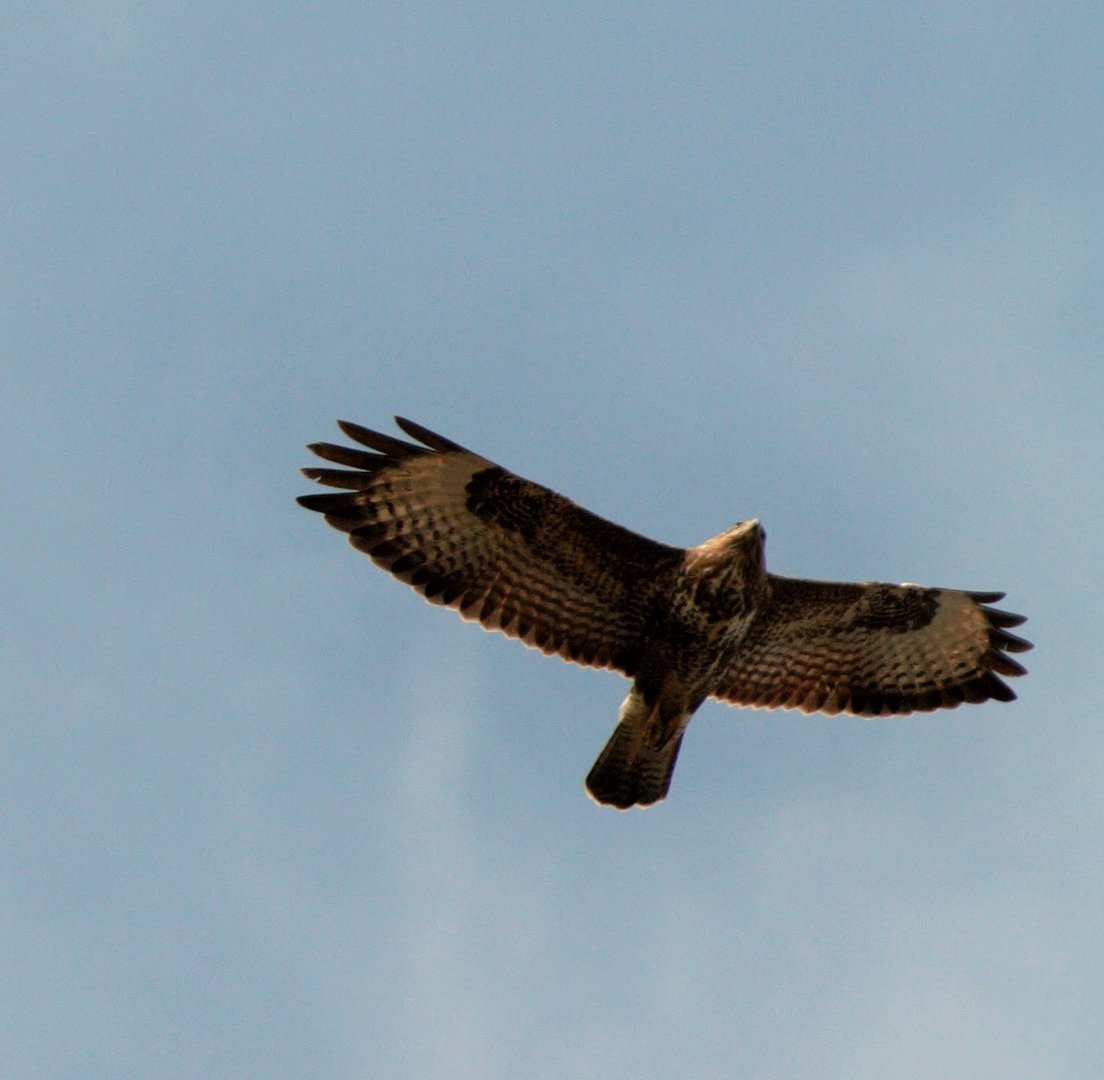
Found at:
<point>429,438</point>
<point>382,443</point>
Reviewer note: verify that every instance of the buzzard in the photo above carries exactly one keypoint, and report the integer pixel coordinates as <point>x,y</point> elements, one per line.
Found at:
<point>683,624</point>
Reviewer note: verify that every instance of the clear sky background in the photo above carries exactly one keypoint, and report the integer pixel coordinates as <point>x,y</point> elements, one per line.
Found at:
<point>263,812</point>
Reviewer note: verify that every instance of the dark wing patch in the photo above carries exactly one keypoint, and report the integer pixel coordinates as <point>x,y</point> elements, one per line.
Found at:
<point>503,551</point>
<point>873,649</point>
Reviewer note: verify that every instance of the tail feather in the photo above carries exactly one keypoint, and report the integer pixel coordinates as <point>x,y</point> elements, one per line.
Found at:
<point>630,773</point>
<point>636,766</point>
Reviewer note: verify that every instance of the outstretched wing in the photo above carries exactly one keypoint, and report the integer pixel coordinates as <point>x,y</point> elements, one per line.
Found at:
<point>872,649</point>
<point>503,551</point>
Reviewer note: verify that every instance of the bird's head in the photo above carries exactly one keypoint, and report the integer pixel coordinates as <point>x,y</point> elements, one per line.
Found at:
<point>734,557</point>
<point>745,542</point>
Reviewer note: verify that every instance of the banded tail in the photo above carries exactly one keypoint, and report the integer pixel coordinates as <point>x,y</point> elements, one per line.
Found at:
<point>636,766</point>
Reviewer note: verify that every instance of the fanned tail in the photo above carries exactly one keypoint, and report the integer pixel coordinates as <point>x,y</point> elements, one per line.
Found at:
<point>636,766</point>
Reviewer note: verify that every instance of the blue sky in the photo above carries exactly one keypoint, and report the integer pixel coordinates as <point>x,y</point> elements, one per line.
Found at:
<point>264,813</point>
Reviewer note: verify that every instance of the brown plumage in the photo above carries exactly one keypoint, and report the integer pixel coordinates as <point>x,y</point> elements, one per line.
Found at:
<point>684,625</point>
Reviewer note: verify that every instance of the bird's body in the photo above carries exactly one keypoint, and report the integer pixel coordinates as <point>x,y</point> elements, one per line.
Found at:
<point>683,624</point>
<point>702,609</point>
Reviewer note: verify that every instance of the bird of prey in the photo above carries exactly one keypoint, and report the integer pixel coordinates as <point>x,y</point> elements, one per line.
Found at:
<point>683,624</point>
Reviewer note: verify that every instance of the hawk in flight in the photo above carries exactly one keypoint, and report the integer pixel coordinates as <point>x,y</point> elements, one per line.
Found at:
<point>683,624</point>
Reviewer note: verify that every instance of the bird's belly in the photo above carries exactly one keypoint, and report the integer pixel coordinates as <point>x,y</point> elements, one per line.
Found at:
<point>688,665</point>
